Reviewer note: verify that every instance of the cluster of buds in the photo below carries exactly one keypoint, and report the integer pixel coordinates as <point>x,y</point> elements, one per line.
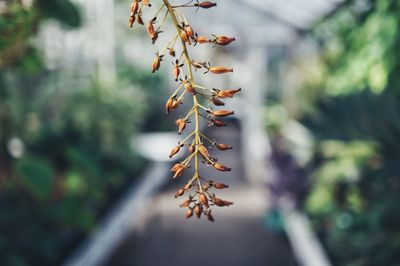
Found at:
<point>198,189</point>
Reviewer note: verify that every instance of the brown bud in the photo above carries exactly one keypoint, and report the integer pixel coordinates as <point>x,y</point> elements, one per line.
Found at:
<point>221,167</point>
<point>220,69</point>
<point>203,199</point>
<point>156,63</point>
<point>171,52</point>
<point>220,185</point>
<point>221,203</point>
<point>186,203</point>
<point>189,31</point>
<point>174,151</point>
<point>227,93</point>
<point>168,105</point>
<point>188,213</point>
<point>150,29</point>
<point>206,4</point>
<point>222,113</point>
<point>176,72</point>
<point>223,147</point>
<point>203,150</point>
<point>179,171</point>
<point>223,40</point>
<point>191,148</point>
<point>134,7</point>
<point>198,65</point>
<point>210,217</point>
<point>198,210</point>
<point>185,37</point>
<point>181,123</point>
<point>139,19</point>
<point>131,20</point>
<point>189,87</point>
<point>217,102</point>
<point>176,167</point>
<point>202,39</point>
<point>218,123</point>
<point>175,104</point>
<point>179,193</point>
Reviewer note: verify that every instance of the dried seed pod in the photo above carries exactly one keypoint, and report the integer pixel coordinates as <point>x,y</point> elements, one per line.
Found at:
<point>139,19</point>
<point>206,4</point>
<point>179,193</point>
<point>217,102</point>
<point>175,150</point>
<point>223,40</point>
<point>222,113</point>
<point>223,147</point>
<point>176,70</point>
<point>188,213</point>
<point>198,65</point>
<point>179,171</point>
<point>203,150</point>
<point>150,28</point>
<point>221,203</point>
<point>171,52</point>
<point>185,37</point>
<point>221,167</point>
<point>131,20</point>
<point>134,7</point>
<point>220,185</point>
<point>168,105</point>
<point>198,210</point>
<point>203,200</point>
<point>220,69</point>
<point>156,63</point>
<point>181,123</point>
<point>227,93</point>
<point>176,167</point>
<point>191,148</point>
<point>202,39</point>
<point>186,203</point>
<point>217,123</point>
<point>189,31</point>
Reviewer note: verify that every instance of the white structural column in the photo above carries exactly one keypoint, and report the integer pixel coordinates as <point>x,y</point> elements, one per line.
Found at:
<point>256,146</point>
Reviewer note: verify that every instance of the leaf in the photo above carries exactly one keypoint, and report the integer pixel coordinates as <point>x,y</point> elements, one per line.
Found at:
<point>62,10</point>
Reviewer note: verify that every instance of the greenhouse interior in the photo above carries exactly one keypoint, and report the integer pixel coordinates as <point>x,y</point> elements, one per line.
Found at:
<point>201,133</point>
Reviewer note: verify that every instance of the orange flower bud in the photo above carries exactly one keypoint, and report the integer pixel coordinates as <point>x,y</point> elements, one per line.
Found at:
<point>203,199</point>
<point>198,65</point>
<point>218,123</point>
<point>131,20</point>
<point>179,193</point>
<point>179,171</point>
<point>221,202</point>
<point>223,147</point>
<point>198,210</point>
<point>202,39</point>
<point>189,87</point>
<point>206,4</point>
<point>181,123</point>
<point>176,71</point>
<point>134,7</point>
<point>174,151</point>
<point>156,63</point>
<point>189,31</point>
<point>227,93</point>
<point>191,148</point>
<point>139,19</point>
<point>220,69</point>
<point>203,150</point>
<point>217,102</point>
<point>174,104</point>
<point>222,113</point>
<point>189,213</point>
<point>176,167</point>
<point>186,203</point>
<point>221,167</point>
<point>220,185</point>
<point>223,40</point>
<point>150,28</point>
<point>185,37</point>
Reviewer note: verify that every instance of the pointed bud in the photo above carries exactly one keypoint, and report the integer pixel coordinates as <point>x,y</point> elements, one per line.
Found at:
<point>176,167</point>
<point>189,88</point>
<point>220,69</point>
<point>221,167</point>
<point>203,199</point>
<point>222,113</point>
<point>181,123</point>
<point>179,193</point>
<point>203,150</point>
<point>205,4</point>
<point>134,7</point>
<point>185,37</point>
<point>186,203</point>
<point>217,123</point>
<point>156,63</point>
<point>131,20</point>
<point>191,148</point>
<point>217,102</point>
<point>223,147</point>
<point>171,52</point>
<point>150,29</point>
<point>189,31</point>
<point>221,202</point>
<point>179,171</point>
<point>220,185</point>
<point>198,210</point>
<point>227,93</point>
<point>223,40</point>
<point>188,213</point>
<point>174,151</point>
<point>202,39</point>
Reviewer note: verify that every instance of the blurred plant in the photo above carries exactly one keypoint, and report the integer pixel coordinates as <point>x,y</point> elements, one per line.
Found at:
<point>195,141</point>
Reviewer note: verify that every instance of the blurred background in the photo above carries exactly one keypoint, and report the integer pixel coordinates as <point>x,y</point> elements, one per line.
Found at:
<point>84,138</point>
